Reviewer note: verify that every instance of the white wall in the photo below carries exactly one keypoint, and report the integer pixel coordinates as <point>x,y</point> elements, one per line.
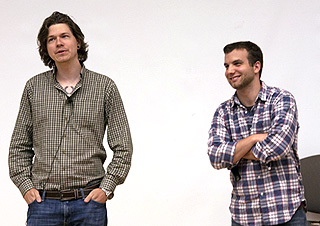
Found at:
<point>166,58</point>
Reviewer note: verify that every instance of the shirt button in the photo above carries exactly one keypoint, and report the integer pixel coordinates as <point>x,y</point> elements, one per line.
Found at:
<point>261,193</point>
<point>259,177</point>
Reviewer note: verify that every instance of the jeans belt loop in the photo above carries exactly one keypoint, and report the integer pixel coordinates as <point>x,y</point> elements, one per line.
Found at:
<point>43,196</point>
<point>82,193</point>
<point>76,194</point>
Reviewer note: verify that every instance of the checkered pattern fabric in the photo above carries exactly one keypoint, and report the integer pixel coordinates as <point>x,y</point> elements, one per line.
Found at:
<point>270,190</point>
<point>57,142</point>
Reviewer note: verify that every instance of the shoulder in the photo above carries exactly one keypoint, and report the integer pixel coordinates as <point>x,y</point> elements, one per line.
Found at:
<point>276,94</point>
<point>97,78</point>
<point>39,78</point>
<point>224,108</point>
<point>101,84</point>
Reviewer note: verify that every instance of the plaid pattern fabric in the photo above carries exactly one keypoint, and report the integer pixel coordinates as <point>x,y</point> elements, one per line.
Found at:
<point>57,143</point>
<point>270,190</point>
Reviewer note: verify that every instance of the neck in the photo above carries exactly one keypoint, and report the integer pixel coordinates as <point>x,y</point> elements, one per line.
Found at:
<point>248,94</point>
<point>68,73</point>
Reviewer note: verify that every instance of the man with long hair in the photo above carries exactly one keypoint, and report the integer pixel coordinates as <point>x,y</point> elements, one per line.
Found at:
<point>56,152</point>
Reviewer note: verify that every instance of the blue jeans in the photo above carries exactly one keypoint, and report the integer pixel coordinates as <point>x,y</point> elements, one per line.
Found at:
<point>51,212</point>
<point>298,219</point>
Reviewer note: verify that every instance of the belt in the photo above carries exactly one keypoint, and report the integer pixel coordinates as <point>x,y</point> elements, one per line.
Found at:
<point>69,194</point>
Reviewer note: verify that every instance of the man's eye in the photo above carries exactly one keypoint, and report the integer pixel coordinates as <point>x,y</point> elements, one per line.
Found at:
<point>50,39</point>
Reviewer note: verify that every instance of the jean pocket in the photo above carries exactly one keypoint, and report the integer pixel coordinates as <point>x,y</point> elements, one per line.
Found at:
<point>32,203</point>
<point>97,203</point>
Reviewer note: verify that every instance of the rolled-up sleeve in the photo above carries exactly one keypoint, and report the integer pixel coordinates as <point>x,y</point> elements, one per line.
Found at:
<point>284,127</point>
<point>220,147</point>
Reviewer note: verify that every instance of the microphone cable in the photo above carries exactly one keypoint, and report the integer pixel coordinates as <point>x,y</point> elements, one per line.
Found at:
<point>68,101</point>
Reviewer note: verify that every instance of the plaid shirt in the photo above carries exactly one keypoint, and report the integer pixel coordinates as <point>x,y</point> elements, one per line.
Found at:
<point>270,190</point>
<point>57,143</point>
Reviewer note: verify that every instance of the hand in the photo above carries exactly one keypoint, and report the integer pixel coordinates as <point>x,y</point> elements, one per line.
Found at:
<point>32,195</point>
<point>97,195</point>
<point>250,156</point>
<point>245,145</point>
<point>260,136</point>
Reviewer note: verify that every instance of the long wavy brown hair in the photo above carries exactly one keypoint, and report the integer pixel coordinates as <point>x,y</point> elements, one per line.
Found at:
<point>60,18</point>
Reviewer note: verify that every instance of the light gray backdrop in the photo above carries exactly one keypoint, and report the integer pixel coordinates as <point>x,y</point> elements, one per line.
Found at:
<point>166,58</point>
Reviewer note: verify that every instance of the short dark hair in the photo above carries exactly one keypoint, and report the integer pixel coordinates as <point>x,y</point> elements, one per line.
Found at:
<point>254,52</point>
<point>60,18</point>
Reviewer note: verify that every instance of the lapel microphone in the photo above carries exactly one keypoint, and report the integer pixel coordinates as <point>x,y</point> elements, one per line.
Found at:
<point>69,100</point>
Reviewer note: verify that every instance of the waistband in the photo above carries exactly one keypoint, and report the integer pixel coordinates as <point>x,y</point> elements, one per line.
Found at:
<point>68,194</point>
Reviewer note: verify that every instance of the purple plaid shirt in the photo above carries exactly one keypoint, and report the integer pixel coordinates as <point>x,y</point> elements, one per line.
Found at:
<point>270,190</point>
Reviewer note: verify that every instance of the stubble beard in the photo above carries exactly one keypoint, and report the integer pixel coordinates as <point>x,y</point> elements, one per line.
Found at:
<point>245,81</point>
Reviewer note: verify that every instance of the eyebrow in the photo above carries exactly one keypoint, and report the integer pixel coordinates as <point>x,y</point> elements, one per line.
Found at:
<point>233,62</point>
<point>63,33</point>
<point>237,61</point>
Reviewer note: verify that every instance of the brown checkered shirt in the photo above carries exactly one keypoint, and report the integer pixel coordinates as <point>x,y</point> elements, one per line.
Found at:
<point>57,143</point>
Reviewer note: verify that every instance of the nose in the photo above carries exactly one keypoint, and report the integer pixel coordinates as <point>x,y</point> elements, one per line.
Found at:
<point>230,70</point>
<point>59,42</point>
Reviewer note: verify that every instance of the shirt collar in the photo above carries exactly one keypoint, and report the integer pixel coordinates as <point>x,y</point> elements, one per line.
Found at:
<point>56,83</point>
<point>53,71</point>
<point>263,94</point>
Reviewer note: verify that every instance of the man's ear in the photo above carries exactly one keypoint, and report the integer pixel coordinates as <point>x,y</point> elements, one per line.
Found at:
<point>257,67</point>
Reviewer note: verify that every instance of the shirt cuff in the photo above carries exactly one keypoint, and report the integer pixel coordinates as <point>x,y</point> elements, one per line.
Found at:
<point>256,151</point>
<point>25,186</point>
<point>109,194</point>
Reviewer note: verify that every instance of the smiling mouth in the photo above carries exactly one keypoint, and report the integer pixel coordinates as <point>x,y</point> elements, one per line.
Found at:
<point>235,78</point>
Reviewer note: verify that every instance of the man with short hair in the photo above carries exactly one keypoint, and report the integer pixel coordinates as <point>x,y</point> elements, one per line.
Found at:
<point>56,152</point>
<point>254,134</point>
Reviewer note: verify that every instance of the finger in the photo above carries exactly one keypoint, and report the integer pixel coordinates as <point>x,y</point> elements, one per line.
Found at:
<point>38,197</point>
<point>89,197</point>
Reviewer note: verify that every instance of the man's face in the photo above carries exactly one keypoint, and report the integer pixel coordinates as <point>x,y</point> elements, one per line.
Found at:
<point>61,44</point>
<point>239,72</point>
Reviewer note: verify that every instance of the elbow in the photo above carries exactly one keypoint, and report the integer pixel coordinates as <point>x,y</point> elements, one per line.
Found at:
<point>216,163</point>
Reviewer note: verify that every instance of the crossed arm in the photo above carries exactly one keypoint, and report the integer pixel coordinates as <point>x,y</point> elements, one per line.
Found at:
<point>244,146</point>
<point>282,127</point>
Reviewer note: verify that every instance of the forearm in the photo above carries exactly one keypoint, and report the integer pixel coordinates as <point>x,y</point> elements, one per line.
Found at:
<point>244,146</point>
<point>220,145</point>
<point>221,153</point>
<point>20,161</point>
<point>120,142</point>
<point>282,132</point>
<point>21,146</point>
<point>250,156</point>
<point>117,170</point>
<point>121,145</point>
<point>20,171</point>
